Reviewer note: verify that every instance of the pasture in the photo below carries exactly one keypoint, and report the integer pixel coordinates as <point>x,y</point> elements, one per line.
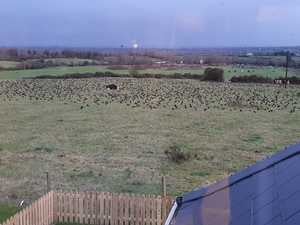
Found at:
<point>62,70</point>
<point>69,61</point>
<point>229,71</point>
<point>91,138</point>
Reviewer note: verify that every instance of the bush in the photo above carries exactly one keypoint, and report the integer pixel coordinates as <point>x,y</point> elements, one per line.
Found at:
<point>134,72</point>
<point>214,74</point>
<point>178,153</point>
<point>111,74</point>
<point>250,79</point>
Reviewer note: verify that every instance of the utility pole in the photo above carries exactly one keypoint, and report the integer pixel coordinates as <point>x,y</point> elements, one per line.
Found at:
<point>47,182</point>
<point>163,186</point>
<point>286,68</point>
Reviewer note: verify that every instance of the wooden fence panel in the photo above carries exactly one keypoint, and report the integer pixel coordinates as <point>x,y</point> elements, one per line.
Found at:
<point>39,213</point>
<point>94,208</point>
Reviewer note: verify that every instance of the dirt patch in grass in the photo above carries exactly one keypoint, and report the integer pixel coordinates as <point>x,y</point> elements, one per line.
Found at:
<point>179,153</point>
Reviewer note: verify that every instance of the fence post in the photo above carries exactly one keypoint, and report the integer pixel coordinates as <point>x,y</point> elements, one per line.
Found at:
<point>164,187</point>
<point>47,182</point>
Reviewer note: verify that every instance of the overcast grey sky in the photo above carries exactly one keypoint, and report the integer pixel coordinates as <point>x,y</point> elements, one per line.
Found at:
<point>150,23</point>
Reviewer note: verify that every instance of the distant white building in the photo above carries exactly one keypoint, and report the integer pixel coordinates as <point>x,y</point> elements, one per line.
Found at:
<point>161,62</point>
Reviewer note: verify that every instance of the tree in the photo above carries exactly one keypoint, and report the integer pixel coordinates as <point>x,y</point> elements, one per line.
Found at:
<point>213,74</point>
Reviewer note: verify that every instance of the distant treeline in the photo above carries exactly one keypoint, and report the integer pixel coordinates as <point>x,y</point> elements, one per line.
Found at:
<point>150,57</point>
<point>47,63</point>
<point>105,58</point>
<point>23,54</point>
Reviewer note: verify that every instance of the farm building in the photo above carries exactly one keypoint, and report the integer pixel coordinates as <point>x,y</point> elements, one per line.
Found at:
<point>267,193</point>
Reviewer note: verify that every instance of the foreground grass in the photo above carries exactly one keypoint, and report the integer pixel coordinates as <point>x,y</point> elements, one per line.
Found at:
<point>229,71</point>
<point>122,149</point>
<point>6,212</point>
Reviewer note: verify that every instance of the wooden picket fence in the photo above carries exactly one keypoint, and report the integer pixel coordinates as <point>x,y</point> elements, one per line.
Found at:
<point>41,212</point>
<point>96,208</point>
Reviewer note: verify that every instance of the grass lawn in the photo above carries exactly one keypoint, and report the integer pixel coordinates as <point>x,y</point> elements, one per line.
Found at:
<point>91,138</point>
<point>69,60</point>
<point>6,212</point>
<point>120,149</point>
<point>18,74</point>
<point>260,71</point>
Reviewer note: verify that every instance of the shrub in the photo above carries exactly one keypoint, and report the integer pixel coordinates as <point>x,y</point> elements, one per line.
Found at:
<point>178,153</point>
<point>111,74</point>
<point>108,73</point>
<point>251,79</point>
<point>214,74</point>
<point>134,72</point>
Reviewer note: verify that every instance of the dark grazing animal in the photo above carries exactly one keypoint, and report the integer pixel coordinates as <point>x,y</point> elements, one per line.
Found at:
<point>111,87</point>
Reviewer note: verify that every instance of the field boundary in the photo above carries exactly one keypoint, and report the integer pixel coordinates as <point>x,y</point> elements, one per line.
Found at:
<point>116,75</point>
<point>101,208</point>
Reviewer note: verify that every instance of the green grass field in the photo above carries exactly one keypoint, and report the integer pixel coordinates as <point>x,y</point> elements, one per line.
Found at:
<point>19,74</point>
<point>229,71</point>
<point>260,71</point>
<point>106,145</point>
<point>6,211</point>
<point>115,148</point>
<point>69,60</point>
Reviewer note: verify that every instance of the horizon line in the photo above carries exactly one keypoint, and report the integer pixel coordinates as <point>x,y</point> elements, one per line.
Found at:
<point>146,48</point>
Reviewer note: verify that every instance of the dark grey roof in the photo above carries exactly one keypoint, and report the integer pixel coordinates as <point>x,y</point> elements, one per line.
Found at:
<point>267,193</point>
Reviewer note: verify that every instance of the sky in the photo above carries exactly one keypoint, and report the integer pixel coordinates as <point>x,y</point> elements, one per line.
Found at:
<point>150,23</point>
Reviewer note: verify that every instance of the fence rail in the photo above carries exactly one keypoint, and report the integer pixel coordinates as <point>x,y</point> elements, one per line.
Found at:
<point>95,208</point>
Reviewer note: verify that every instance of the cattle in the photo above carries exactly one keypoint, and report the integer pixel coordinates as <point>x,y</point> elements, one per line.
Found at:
<point>281,81</point>
<point>111,87</point>
<point>277,81</point>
